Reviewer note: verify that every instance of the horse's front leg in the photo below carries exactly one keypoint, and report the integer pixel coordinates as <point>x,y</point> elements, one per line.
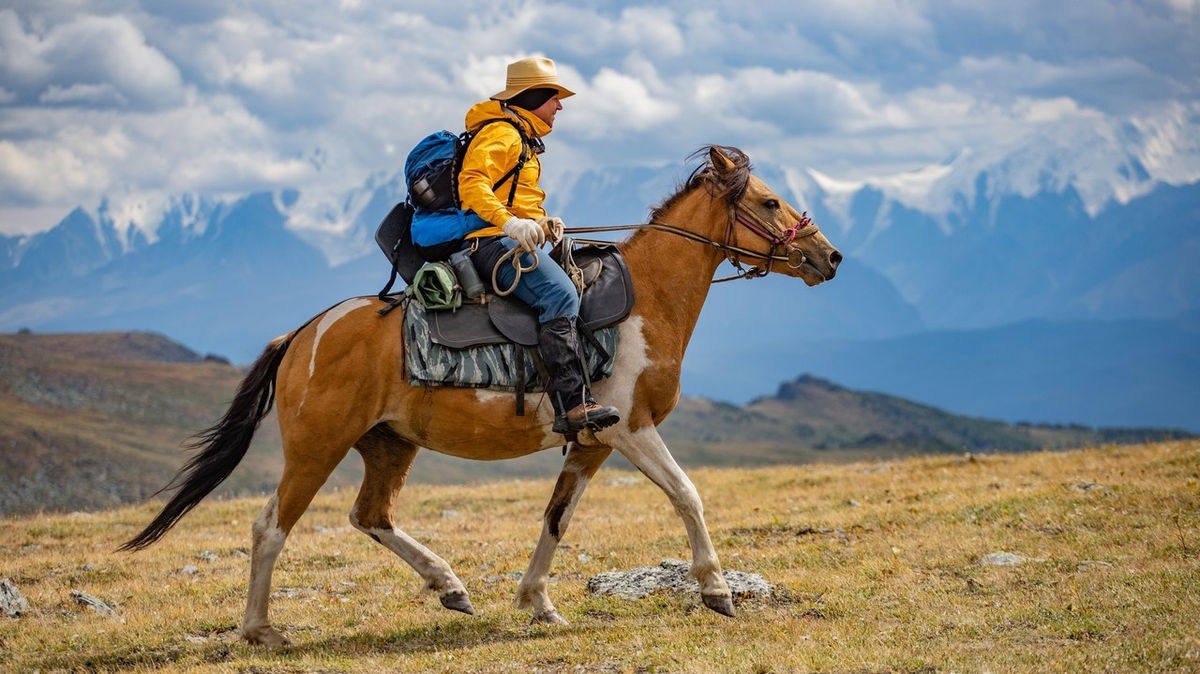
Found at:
<point>646,450</point>
<point>578,468</point>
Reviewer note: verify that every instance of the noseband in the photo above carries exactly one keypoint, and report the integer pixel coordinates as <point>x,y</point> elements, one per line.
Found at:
<point>803,228</point>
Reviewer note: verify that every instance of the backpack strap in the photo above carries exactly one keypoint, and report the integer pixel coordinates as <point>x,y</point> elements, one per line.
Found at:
<point>515,172</point>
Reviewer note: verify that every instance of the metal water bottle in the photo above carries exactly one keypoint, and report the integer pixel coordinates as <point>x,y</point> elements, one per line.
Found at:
<point>468,278</point>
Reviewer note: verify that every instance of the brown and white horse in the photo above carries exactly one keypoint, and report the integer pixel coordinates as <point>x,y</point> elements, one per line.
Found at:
<point>339,383</point>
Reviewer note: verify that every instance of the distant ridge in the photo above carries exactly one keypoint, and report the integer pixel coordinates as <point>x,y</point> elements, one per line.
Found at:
<point>810,419</point>
<point>95,420</point>
<point>117,346</point>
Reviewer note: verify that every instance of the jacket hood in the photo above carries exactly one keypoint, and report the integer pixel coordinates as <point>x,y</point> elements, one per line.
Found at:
<point>481,112</point>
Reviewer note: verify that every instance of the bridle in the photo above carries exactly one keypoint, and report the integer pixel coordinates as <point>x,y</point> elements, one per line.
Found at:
<point>803,228</point>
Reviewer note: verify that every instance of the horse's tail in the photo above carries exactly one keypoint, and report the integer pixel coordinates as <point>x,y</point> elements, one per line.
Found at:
<point>221,447</point>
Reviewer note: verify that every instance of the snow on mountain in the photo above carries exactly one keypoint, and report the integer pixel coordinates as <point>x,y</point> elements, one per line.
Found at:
<point>1105,163</point>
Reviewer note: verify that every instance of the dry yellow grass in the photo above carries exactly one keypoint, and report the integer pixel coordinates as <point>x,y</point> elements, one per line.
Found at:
<point>877,565</point>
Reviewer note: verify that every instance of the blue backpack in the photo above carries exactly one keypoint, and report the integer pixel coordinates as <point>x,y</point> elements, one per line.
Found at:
<point>431,172</point>
<point>430,224</point>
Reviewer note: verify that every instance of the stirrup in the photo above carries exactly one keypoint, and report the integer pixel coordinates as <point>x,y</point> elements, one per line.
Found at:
<point>595,417</point>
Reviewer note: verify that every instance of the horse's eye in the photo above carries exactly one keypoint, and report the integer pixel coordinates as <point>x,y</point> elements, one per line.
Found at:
<point>772,204</point>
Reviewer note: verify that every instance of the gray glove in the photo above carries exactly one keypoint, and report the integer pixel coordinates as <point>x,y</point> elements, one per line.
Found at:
<point>526,232</point>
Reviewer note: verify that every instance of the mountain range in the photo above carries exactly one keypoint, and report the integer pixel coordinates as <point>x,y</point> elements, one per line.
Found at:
<point>1055,283</point>
<point>93,420</point>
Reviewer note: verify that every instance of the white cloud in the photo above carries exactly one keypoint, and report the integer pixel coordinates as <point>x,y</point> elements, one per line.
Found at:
<point>615,103</point>
<point>651,28</point>
<point>226,97</point>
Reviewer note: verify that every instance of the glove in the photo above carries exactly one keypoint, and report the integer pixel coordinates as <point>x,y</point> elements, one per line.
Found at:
<point>526,232</point>
<point>553,227</point>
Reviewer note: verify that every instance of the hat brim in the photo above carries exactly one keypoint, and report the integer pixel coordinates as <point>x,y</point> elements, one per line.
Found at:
<point>508,93</point>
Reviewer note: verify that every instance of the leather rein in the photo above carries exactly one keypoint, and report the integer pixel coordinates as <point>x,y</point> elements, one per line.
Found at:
<point>803,228</point>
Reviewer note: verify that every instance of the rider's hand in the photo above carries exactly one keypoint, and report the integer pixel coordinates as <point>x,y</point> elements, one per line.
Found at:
<point>553,227</point>
<point>526,232</point>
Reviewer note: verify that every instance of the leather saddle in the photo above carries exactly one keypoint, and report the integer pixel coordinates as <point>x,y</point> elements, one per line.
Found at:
<point>607,300</point>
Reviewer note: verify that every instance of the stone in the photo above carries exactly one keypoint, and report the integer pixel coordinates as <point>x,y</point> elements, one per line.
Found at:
<point>85,599</point>
<point>671,576</point>
<point>12,603</point>
<point>1006,559</point>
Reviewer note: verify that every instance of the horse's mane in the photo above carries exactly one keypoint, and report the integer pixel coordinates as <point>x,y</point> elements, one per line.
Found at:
<point>728,185</point>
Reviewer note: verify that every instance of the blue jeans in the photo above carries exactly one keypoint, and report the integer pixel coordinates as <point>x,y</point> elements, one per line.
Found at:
<point>547,288</point>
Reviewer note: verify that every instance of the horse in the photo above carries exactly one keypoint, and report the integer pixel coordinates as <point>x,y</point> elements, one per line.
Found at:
<point>338,383</point>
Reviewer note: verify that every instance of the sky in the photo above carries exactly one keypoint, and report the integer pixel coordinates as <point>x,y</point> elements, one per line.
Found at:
<point>134,102</point>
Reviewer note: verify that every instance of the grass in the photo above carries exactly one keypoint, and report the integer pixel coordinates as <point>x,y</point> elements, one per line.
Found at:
<point>875,564</point>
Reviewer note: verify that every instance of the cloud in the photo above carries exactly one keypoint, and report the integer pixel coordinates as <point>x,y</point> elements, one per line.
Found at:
<point>144,96</point>
<point>97,60</point>
<point>615,103</point>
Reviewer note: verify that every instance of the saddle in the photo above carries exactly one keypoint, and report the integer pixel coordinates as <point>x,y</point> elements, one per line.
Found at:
<point>493,344</point>
<point>607,300</point>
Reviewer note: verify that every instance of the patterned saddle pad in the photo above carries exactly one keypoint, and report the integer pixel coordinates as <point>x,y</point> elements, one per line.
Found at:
<point>494,366</point>
<point>493,345</point>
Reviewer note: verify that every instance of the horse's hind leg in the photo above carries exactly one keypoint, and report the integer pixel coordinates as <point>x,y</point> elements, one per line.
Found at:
<point>387,459</point>
<point>297,487</point>
<point>578,468</point>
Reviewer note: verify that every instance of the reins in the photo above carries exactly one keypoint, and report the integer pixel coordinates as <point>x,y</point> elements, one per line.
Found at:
<point>802,229</point>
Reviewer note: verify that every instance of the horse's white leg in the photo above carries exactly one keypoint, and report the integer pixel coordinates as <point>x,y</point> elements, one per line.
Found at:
<point>578,468</point>
<point>388,459</point>
<point>646,450</point>
<point>268,540</point>
<point>299,484</point>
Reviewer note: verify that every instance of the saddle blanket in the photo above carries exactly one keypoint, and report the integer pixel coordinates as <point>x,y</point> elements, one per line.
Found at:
<point>490,366</point>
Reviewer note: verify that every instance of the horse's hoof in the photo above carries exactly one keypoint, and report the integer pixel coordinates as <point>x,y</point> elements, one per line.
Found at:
<point>458,601</point>
<point>550,618</point>
<point>265,636</point>
<point>720,604</point>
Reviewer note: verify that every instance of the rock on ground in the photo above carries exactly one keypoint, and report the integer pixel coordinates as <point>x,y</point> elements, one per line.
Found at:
<point>85,599</point>
<point>12,604</point>
<point>671,575</point>
<point>1006,559</point>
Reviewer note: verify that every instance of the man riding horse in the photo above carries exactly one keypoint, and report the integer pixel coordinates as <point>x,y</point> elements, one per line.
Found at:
<point>532,97</point>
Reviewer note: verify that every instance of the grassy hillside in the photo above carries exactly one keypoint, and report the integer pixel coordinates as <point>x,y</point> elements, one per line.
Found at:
<point>877,568</point>
<point>96,420</point>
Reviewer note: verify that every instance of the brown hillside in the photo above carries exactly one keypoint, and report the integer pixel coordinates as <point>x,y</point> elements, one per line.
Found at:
<point>93,421</point>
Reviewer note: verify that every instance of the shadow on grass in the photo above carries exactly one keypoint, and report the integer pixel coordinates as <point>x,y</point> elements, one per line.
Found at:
<point>458,634</point>
<point>450,636</point>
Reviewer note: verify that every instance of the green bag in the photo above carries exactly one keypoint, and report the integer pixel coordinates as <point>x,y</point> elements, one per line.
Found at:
<point>436,287</point>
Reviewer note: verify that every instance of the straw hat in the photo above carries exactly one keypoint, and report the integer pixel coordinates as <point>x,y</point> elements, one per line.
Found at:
<point>531,73</point>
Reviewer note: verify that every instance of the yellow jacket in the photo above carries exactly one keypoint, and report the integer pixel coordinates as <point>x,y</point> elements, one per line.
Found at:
<point>494,152</point>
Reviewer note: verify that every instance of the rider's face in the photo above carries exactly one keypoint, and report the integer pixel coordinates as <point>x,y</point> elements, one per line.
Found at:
<point>547,111</point>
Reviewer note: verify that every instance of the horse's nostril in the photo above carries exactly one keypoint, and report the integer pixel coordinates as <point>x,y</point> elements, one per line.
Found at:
<point>835,258</point>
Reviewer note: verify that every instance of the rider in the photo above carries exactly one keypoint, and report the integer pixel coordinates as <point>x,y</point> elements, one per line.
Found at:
<point>532,98</point>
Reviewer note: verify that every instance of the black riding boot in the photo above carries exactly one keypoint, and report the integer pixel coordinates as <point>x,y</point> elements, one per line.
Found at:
<point>574,409</point>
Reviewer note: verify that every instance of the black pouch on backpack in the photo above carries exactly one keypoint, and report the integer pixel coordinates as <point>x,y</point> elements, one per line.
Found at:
<point>394,237</point>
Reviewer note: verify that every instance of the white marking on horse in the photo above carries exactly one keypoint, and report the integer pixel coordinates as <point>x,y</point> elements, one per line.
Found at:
<point>332,316</point>
<point>268,542</point>
<point>434,570</point>
<point>629,363</point>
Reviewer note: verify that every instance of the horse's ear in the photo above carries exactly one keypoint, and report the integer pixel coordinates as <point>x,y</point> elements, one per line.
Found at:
<point>719,160</point>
